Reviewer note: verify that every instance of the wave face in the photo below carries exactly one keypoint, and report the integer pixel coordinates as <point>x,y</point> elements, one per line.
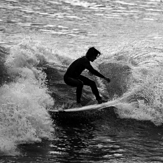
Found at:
<point>32,82</point>
<point>136,82</point>
<point>39,39</point>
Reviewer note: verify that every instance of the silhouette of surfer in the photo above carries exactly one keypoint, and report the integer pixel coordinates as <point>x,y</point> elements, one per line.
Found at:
<point>74,78</point>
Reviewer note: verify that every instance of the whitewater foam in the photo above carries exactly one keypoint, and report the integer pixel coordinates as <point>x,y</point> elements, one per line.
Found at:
<point>24,101</point>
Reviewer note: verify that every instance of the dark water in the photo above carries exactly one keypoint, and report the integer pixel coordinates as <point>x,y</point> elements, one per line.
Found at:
<point>100,138</point>
<point>107,138</point>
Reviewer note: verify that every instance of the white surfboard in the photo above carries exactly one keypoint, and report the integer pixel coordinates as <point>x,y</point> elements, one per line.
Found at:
<point>87,108</point>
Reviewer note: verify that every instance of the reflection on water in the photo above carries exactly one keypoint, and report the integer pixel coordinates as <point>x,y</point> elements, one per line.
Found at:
<point>104,139</point>
<point>108,139</point>
<point>49,16</point>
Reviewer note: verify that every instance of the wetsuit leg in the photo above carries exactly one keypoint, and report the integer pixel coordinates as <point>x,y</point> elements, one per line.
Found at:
<point>92,84</point>
<point>75,83</point>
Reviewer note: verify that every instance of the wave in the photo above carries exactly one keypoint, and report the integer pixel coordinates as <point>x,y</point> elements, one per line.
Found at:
<point>136,82</point>
<point>137,77</point>
<point>24,100</point>
<point>32,83</point>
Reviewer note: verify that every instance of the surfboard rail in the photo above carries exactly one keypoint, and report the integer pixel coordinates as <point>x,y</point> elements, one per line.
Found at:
<point>87,108</point>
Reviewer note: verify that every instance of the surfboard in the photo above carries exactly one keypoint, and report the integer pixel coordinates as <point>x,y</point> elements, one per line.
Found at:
<point>86,108</point>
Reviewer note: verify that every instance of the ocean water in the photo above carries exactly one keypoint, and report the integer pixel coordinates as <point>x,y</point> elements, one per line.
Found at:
<point>39,39</point>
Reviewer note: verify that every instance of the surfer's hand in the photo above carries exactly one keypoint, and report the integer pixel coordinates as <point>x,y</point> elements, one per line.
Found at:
<point>107,79</point>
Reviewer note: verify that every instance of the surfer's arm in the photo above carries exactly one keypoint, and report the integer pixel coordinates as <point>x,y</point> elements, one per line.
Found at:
<point>94,72</point>
<point>89,67</point>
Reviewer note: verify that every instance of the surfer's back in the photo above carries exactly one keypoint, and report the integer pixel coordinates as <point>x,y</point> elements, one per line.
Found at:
<point>76,67</point>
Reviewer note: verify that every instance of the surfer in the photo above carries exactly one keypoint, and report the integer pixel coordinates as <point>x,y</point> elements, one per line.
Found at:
<point>74,78</point>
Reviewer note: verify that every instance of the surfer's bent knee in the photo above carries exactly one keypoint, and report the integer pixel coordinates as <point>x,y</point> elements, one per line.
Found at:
<point>73,81</point>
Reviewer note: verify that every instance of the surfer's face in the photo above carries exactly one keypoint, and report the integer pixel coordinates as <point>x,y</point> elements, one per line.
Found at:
<point>94,57</point>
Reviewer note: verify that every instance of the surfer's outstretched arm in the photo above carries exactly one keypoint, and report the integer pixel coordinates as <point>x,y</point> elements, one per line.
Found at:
<point>95,72</point>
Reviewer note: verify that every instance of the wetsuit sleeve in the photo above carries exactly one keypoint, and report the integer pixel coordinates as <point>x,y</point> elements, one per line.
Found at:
<point>93,71</point>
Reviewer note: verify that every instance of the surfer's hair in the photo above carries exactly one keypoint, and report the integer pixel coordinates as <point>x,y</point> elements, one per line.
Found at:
<point>92,52</point>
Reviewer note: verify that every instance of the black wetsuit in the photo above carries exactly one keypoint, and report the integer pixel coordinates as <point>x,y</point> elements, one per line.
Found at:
<point>74,78</point>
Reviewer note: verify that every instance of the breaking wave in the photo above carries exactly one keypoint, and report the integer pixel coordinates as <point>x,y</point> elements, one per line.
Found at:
<point>24,100</point>
<point>32,82</point>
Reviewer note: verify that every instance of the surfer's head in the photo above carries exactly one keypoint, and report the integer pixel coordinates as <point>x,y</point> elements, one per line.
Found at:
<point>92,54</point>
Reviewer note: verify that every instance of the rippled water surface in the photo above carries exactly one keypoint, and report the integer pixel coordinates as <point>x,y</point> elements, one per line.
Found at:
<point>74,18</point>
<point>68,28</point>
<point>105,138</point>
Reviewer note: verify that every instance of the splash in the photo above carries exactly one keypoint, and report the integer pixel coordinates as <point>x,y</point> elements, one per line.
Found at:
<point>23,116</point>
<point>24,101</point>
<point>149,94</point>
<point>142,97</point>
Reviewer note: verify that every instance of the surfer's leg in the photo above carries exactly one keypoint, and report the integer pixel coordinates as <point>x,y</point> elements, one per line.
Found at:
<point>75,83</point>
<point>92,84</point>
<point>79,91</point>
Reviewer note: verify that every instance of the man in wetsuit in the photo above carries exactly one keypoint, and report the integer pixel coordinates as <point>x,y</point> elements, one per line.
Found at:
<point>74,78</point>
